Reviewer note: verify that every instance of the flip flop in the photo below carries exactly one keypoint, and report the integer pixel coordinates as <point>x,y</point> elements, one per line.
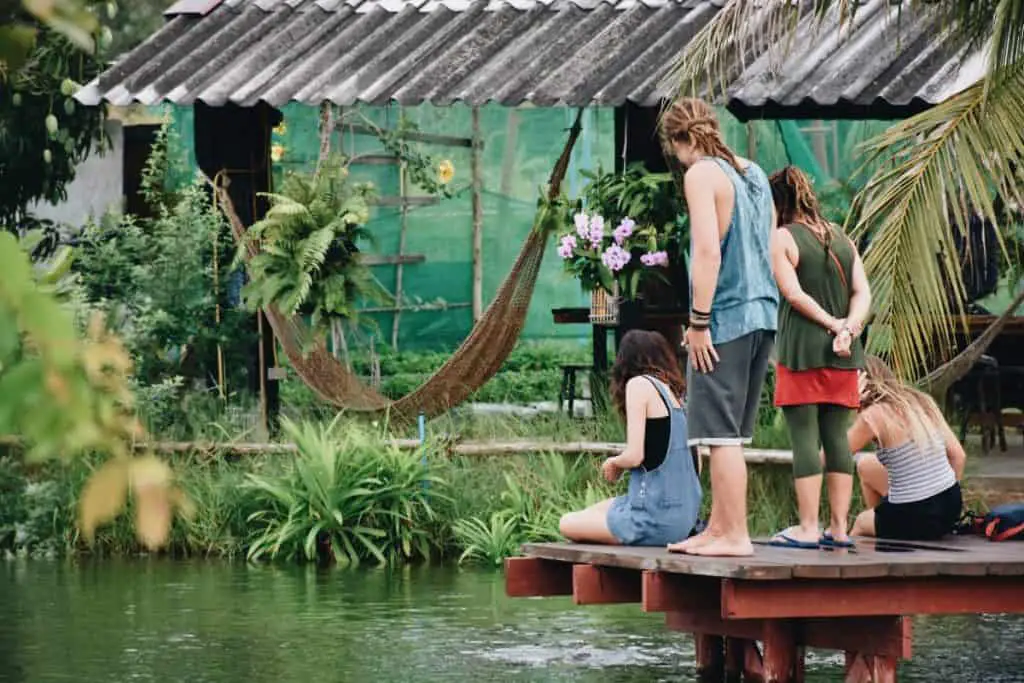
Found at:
<point>782,540</point>
<point>829,542</point>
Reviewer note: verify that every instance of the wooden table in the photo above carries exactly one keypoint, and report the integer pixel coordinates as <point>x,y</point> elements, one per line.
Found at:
<point>857,601</point>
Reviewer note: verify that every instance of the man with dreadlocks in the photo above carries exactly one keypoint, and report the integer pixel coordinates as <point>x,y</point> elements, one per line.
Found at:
<point>825,303</point>
<point>733,312</point>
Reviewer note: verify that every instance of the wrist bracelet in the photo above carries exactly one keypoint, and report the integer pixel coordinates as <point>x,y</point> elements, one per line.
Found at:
<point>694,325</point>
<point>694,311</point>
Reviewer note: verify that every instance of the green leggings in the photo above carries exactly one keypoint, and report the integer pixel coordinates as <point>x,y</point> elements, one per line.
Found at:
<point>819,426</point>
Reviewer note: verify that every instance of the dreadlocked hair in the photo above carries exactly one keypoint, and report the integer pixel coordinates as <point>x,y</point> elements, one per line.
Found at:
<point>793,194</point>
<point>915,409</point>
<point>693,121</point>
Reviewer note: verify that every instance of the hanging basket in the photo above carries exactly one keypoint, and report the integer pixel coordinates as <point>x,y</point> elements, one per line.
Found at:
<point>604,307</point>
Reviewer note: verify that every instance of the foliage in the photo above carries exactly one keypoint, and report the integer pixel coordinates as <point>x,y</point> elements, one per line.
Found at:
<point>307,260</point>
<point>43,133</point>
<point>928,173</point>
<point>155,280</point>
<point>634,233</point>
<point>64,396</point>
<point>422,170</point>
<point>347,496</point>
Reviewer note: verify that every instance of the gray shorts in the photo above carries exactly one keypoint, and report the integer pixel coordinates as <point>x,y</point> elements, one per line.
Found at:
<point>721,406</point>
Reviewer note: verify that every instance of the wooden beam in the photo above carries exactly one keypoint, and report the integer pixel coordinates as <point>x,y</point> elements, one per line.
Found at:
<point>390,259</point>
<point>710,655</point>
<point>743,599</point>
<point>861,668</point>
<point>888,636</point>
<point>593,585</point>
<point>663,592</point>
<point>530,577</point>
<point>415,136</point>
<point>782,660</point>
<point>414,308</point>
<point>375,160</point>
<point>478,218</point>
<point>406,202</point>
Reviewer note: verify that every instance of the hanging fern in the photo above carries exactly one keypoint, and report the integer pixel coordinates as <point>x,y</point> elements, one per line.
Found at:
<point>308,263</point>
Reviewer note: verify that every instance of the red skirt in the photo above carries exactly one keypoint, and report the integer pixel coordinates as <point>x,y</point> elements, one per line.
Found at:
<point>832,386</point>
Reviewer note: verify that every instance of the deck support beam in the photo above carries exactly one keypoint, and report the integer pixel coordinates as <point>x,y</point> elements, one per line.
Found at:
<point>532,577</point>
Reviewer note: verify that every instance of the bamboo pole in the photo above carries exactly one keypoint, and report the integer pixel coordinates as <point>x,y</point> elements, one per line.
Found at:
<point>478,219</point>
<point>402,230</point>
<point>751,141</point>
<point>753,456</point>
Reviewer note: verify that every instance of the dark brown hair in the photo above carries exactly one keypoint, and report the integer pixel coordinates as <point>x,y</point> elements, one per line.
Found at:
<point>644,353</point>
<point>793,194</point>
<point>693,121</point>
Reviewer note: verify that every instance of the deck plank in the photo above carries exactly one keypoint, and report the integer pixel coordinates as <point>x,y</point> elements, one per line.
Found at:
<point>871,559</point>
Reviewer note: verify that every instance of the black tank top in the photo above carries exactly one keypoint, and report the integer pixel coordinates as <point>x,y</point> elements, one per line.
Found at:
<point>657,431</point>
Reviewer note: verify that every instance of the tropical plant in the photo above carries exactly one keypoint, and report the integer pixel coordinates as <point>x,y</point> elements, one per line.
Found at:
<point>62,396</point>
<point>308,260</point>
<point>927,174</point>
<point>43,133</point>
<point>646,241</point>
<point>347,496</point>
<point>491,541</point>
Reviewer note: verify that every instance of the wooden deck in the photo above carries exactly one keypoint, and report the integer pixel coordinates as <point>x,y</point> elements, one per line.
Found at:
<point>754,616</point>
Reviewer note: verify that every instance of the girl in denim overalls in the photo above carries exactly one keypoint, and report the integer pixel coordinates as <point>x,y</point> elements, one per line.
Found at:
<point>664,493</point>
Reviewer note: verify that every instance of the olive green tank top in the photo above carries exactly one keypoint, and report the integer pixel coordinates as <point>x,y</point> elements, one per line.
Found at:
<point>826,274</point>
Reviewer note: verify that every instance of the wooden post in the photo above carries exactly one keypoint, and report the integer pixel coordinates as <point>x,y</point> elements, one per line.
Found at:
<point>710,651</point>
<point>403,228</point>
<point>869,668</point>
<point>781,654</point>
<point>478,219</point>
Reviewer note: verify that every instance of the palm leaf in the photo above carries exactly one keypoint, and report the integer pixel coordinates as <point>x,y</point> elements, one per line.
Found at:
<point>939,165</point>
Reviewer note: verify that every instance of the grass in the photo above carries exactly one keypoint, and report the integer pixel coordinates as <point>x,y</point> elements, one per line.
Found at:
<point>345,497</point>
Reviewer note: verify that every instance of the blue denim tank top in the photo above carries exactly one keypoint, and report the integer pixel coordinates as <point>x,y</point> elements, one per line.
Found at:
<point>746,298</point>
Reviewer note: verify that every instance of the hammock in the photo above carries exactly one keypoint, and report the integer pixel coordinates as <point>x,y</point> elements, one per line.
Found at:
<point>469,367</point>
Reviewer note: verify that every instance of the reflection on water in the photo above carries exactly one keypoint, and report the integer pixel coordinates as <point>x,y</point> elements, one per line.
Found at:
<point>195,622</point>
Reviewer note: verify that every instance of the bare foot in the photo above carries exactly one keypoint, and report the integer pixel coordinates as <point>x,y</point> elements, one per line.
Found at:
<point>725,547</point>
<point>701,539</point>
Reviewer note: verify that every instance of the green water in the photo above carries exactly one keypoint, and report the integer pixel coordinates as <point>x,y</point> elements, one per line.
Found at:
<point>205,621</point>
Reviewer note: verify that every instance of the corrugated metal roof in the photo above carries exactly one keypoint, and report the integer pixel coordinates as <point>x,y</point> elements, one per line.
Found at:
<point>564,52</point>
<point>887,61</point>
<point>545,52</point>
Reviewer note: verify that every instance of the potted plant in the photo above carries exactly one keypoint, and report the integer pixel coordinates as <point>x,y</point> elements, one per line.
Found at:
<point>626,238</point>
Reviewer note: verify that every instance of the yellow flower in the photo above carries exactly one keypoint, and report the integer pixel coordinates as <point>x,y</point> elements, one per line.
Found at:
<point>281,129</point>
<point>445,172</point>
<point>276,153</point>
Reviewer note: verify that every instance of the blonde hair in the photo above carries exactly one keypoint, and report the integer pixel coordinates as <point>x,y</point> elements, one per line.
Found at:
<point>693,121</point>
<point>916,410</point>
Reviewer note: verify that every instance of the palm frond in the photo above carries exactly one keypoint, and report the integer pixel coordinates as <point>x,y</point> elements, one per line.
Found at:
<point>937,168</point>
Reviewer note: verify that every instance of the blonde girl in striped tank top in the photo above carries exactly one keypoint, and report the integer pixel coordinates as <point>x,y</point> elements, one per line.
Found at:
<point>911,484</point>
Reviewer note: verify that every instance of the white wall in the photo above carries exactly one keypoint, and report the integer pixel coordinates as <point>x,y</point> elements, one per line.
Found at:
<point>98,185</point>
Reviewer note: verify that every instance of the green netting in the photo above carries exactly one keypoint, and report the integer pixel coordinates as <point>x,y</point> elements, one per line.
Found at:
<point>520,147</point>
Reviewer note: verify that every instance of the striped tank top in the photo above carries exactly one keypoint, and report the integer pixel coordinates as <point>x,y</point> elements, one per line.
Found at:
<point>916,473</point>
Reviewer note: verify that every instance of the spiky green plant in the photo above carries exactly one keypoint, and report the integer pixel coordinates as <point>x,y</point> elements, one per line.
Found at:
<point>308,261</point>
<point>348,496</point>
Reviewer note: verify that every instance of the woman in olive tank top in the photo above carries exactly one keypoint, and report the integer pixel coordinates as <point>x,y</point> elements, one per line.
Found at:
<point>825,301</point>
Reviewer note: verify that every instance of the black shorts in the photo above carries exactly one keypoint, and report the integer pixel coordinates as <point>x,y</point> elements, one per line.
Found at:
<point>922,520</point>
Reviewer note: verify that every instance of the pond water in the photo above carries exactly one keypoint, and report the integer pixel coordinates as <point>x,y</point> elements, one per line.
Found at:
<point>209,621</point>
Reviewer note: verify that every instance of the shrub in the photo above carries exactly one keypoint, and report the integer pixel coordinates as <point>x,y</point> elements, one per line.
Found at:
<point>347,496</point>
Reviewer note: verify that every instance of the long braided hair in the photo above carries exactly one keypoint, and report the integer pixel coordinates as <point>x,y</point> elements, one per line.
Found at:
<point>693,121</point>
<point>795,202</point>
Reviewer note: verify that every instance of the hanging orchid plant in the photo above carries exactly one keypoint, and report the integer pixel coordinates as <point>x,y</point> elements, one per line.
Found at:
<point>644,242</point>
